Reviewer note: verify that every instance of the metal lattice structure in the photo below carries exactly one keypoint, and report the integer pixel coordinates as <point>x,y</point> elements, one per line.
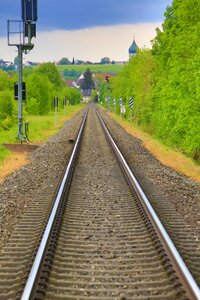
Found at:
<point>15,33</point>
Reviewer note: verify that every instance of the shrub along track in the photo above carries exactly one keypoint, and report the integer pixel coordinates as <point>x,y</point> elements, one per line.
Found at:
<point>109,253</point>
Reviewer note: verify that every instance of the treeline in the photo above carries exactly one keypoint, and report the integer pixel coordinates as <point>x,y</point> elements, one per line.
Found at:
<point>165,81</point>
<point>43,83</point>
<point>104,61</point>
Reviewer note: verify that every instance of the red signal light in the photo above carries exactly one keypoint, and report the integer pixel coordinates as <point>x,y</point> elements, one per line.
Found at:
<point>107,77</point>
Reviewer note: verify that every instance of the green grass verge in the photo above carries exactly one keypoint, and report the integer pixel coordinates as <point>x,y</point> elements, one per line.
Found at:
<point>40,128</point>
<point>115,69</point>
<point>3,153</point>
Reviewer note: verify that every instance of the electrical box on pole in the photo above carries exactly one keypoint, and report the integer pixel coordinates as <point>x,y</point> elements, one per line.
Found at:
<point>29,10</point>
<point>23,90</point>
<point>30,30</point>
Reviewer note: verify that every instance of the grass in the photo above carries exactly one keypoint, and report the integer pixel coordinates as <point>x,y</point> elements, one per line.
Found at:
<point>40,128</point>
<point>163,153</point>
<point>115,69</point>
<point>3,153</point>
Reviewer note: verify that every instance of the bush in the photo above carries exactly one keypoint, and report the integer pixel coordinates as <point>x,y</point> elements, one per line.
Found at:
<point>7,123</point>
<point>6,105</point>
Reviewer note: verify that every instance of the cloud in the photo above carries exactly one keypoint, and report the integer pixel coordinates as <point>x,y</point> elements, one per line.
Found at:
<point>86,44</point>
<point>79,14</point>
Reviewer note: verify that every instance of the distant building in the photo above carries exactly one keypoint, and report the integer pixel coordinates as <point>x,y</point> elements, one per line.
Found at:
<point>132,49</point>
<point>70,83</point>
<point>4,63</point>
<point>79,81</point>
<point>29,64</point>
<point>87,95</point>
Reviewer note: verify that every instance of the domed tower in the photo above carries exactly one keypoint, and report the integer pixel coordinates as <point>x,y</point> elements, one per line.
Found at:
<point>133,48</point>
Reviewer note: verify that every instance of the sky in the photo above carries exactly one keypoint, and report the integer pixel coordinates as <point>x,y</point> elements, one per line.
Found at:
<point>85,29</point>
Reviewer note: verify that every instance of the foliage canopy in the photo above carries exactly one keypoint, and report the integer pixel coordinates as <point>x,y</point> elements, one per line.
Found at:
<point>87,83</point>
<point>165,81</point>
<point>43,84</point>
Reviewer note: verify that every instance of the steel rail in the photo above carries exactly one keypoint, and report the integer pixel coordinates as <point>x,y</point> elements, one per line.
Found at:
<point>41,250</point>
<point>184,274</point>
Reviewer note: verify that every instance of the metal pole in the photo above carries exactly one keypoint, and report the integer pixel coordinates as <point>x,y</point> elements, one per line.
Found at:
<point>20,135</point>
<point>65,104</point>
<point>108,93</point>
<point>29,32</point>
<point>56,116</point>
<point>131,116</point>
<point>65,110</point>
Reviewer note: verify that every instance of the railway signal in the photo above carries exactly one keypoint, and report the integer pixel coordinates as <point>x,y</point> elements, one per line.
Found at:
<point>23,90</point>
<point>29,10</point>
<point>107,79</point>
<point>22,32</point>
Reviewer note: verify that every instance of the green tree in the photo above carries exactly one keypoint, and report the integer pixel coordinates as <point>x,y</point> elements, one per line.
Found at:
<point>165,82</point>
<point>105,61</point>
<point>64,61</point>
<point>51,71</point>
<point>32,106</point>
<point>5,81</point>
<point>39,91</point>
<point>88,82</point>
<point>74,95</point>
<point>176,104</point>
<point>6,109</point>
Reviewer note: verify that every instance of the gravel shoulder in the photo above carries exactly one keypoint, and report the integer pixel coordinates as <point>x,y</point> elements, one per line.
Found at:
<point>21,187</point>
<point>158,180</point>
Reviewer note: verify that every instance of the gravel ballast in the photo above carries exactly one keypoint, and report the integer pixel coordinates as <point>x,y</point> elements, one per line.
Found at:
<point>20,188</point>
<point>158,180</point>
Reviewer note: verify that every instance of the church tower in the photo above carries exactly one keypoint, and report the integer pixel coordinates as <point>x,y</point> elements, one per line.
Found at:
<point>133,48</point>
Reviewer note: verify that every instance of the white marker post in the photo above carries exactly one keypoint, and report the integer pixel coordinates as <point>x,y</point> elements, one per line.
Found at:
<point>114,103</point>
<point>131,108</point>
<point>120,104</point>
<point>123,110</point>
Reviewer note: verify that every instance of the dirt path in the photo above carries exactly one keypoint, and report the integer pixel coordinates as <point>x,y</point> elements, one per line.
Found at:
<point>12,163</point>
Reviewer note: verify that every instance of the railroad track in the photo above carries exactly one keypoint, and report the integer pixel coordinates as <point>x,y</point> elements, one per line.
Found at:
<point>104,244</point>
